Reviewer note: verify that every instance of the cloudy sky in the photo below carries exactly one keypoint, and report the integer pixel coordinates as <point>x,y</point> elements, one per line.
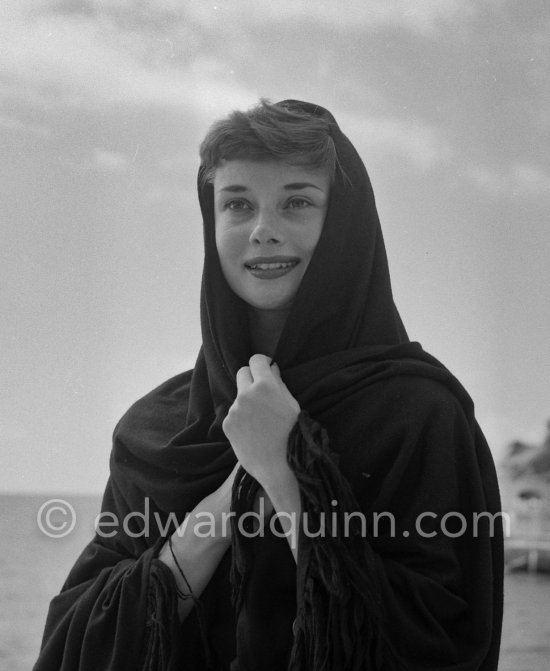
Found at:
<point>102,106</point>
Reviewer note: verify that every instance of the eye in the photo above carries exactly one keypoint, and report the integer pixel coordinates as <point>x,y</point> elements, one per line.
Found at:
<point>237,205</point>
<point>298,202</point>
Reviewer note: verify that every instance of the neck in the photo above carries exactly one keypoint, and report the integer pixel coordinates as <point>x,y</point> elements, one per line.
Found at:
<point>266,327</point>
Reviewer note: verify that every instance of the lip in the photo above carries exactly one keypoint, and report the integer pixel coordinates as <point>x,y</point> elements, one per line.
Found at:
<point>271,273</point>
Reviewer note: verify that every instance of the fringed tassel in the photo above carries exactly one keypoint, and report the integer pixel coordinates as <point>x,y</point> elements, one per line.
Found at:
<point>163,609</point>
<point>339,618</point>
<point>338,625</point>
<point>204,636</point>
<point>162,618</point>
<point>199,608</point>
<point>244,491</point>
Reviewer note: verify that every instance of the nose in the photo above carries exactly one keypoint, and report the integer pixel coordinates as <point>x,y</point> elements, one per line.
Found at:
<point>266,229</point>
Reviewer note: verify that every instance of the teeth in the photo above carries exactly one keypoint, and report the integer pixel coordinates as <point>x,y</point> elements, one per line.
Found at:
<point>271,266</point>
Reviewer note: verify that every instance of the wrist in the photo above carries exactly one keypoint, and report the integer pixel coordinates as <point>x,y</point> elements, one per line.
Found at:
<point>284,494</point>
<point>280,483</point>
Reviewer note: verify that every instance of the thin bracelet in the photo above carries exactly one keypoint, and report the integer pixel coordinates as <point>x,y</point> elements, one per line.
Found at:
<point>181,594</point>
<point>198,605</point>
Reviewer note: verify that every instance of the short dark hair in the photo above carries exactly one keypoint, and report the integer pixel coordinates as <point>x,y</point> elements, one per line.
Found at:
<point>268,132</point>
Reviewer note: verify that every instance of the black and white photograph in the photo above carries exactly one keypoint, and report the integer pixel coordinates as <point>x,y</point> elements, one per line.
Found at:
<point>275,349</point>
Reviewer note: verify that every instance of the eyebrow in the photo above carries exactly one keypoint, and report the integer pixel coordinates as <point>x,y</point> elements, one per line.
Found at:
<point>295,186</point>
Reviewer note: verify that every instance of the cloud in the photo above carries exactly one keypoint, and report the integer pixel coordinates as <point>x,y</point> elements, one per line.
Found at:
<point>110,161</point>
<point>12,123</point>
<point>422,145</point>
<point>86,60</point>
<point>519,179</point>
<point>157,52</point>
<point>169,194</point>
<point>420,16</point>
<point>99,160</point>
<point>530,180</point>
<point>172,55</point>
<point>13,433</point>
<point>486,178</point>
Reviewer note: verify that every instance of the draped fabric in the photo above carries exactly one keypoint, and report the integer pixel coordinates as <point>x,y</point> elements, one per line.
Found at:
<point>385,428</point>
<point>407,444</point>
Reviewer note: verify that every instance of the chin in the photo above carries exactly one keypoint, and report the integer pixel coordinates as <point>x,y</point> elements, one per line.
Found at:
<point>269,303</point>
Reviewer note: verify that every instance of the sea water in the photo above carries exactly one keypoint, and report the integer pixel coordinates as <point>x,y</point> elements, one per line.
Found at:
<point>34,565</point>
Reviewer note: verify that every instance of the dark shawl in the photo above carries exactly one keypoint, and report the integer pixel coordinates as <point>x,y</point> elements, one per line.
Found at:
<point>385,428</point>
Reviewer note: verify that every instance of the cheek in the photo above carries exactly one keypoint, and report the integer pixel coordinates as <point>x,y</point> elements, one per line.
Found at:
<point>229,245</point>
<point>311,238</point>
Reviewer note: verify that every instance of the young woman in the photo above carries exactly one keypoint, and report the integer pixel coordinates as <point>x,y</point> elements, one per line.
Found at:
<point>374,542</point>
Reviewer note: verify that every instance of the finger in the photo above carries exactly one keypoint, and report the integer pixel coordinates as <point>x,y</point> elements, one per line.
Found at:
<point>244,378</point>
<point>259,366</point>
<point>275,369</point>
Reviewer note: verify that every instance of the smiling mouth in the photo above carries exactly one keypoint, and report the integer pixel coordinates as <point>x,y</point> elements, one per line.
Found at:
<point>271,266</point>
<point>270,269</point>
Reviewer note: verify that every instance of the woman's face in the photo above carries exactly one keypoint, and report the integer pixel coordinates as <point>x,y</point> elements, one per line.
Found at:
<point>269,217</point>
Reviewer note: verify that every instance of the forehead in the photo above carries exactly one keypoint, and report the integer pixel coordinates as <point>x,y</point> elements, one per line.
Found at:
<point>267,174</point>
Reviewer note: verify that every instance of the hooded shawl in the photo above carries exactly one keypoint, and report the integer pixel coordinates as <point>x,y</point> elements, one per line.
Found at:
<point>385,430</point>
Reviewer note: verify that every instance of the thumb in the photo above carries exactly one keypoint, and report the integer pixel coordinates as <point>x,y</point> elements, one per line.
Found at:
<point>275,369</point>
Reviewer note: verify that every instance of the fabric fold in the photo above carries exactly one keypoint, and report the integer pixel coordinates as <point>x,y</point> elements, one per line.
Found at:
<point>402,585</point>
<point>118,617</point>
<point>336,586</point>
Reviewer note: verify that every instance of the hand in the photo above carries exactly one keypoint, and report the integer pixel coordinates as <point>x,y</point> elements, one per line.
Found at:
<point>260,420</point>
